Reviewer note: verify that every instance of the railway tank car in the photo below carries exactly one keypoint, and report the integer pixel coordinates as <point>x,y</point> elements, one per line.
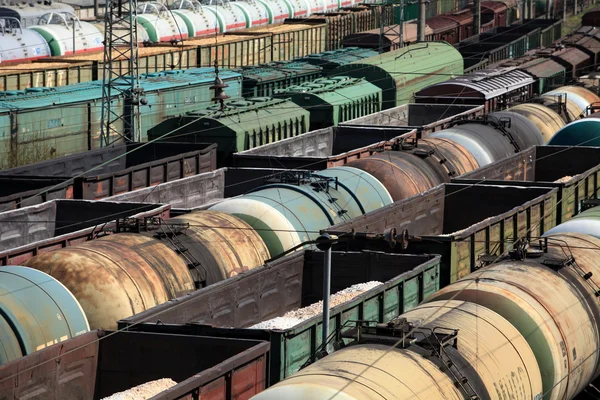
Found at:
<point>18,44</point>
<point>161,24</point>
<point>36,311</point>
<point>495,332</point>
<point>122,274</point>
<point>66,34</point>
<point>287,214</point>
<point>28,14</point>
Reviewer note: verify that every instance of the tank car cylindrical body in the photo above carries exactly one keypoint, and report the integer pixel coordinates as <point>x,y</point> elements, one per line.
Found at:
<point>18,45</point>
<point>277,11</point>
<point>286,215</point>
<point>161,24</point>
<point>403,174</point>
<point>199,22</point>
<point>230,18</point>
<point>29,14</point>
<point>303,8</point>
<point>584,132</point>
<point>580,96</point>
<point>484,142</point>
<point>142,35</point>
<point>117,276</point>
<point>223,244</point>
<point>524,131</point>
<point>547,121</point>
<point>65,34</point>
<point>490,353</point>
<point>36,311</point>
<point>255,13</point>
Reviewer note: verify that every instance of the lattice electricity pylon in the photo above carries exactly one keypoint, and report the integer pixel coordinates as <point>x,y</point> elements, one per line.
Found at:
<point>120,43</point>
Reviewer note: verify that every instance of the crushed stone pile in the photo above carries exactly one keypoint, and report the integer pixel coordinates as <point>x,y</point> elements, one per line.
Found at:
<point>563,179</point>
<point>294,317</point>
<point>144,391</point>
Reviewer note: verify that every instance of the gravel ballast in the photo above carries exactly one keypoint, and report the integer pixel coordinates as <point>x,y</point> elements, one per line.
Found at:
<point>294,317</point>
<point>144,391</point>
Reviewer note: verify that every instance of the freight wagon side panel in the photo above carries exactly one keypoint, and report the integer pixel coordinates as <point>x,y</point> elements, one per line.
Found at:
<point>401,292</point>
<point>63,371</point>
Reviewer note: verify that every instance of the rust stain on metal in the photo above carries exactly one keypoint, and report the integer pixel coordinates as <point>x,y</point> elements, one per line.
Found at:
<point>117,276</point>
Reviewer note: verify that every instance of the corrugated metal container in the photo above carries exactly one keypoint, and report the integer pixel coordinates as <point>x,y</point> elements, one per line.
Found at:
<point>106,172</point>
<point>390,41</point>
<point>63,223</point>
<point>296,281</point>
<point>497,215</point>
<point>101,363</point>
<point>335,99</point>
<point>493,88</point>
<point>290,211</point>
<point>34,132</point>
<point>549,73</point>
<point>242,125</point>
<point>575,171</point>
<point>422,64</point>
<point>329,60</point>
<point>264,80</point>
<point>23,76</point>
<point>36,311</point>
<point>235,49</point>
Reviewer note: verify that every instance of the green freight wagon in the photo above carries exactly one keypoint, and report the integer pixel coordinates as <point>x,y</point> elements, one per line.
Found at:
<point>335,99</point>
<point>264,80</point>
<point>290,283</point>
<point>240,125</point>
<point>402,73</point>
<point>38,124</point>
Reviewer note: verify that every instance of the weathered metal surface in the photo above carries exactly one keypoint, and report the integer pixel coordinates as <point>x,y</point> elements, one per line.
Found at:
<point>561,330</point>
<point>117,275</point>
<point>334,99</point>
<point>224,245</point>
<point>345,375</point>
<point>65,370</point>
<point>403,174</point>
<point>575,171</point>
<point>485,142</point>
<point>243,125</point>
<point>524,131</point>
<point>454,158</point>
<point>36,312</point>
<point>583,97</point>
<point>545,119</point>
<point>508,366</point>
<point>98,364</point>
<point>285,215</point>
<point>422,64</point>
<point>491,87</point>
<point>296,281</point>
<point>182,193</point>
<point>62,222</point>
<point>497,215</point>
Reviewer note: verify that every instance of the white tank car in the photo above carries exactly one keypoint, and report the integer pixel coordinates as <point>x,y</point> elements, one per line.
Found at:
<point>161,24</point>
<point>277,10</point>
<point>142,35</point>
<point>199,21</point>
<point>256,13</point>
<point>230,18</point>
<point>20,44</point>
<point>66,34</point>
<point>29,13</point>
<point>303,8</point>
